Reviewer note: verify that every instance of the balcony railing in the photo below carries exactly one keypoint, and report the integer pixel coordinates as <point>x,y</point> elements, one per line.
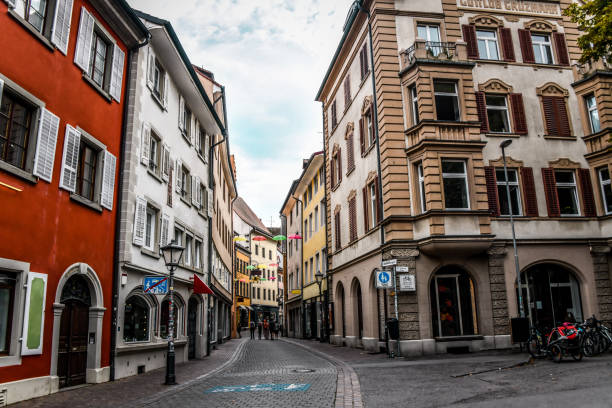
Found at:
<point>598,142</point>
<point>433,50</point>
<point>584,70</point>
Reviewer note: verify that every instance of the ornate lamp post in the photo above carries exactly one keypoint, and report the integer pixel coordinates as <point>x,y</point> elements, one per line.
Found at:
<point>172,254</point>
<point>319,278</point>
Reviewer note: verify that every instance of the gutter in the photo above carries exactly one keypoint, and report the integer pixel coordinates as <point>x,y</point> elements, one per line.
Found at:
<point>116,254</point>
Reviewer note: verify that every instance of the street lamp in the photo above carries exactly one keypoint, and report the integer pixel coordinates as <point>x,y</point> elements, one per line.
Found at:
<point>172,254</point>
<point>319,278</point>
<point>503,146</point>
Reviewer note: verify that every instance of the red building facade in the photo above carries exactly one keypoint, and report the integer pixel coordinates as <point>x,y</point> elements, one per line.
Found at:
<point>62,83</point>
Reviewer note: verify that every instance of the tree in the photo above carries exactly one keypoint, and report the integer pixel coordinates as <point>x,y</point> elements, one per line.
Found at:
<point>594,18</point>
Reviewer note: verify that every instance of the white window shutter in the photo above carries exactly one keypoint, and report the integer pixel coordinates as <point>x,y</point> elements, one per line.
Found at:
<point>70,159</point>
<point>181,113</point>
<point>197,135</point>
<point>178,170</point>
<point>165,162</point>
<point>210,202</point>
<point>84,40</point>
<point>108,180</point>
<point>198,193</point>
<point>1,88</point>
<point>194,190</point>
<point>11,3</point>
<point>164,236</point>
<point>192,130</point>
<point>166,89</point>
<point>44,158</point>
<point>34,314</point>
<point>116,80</point>
<point>140,219</point>
<point>145,150</point>
<point>60,33</point>
<point>150,67</point>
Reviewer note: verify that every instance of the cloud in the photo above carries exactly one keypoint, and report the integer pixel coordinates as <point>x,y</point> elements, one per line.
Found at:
<point>271,55</point>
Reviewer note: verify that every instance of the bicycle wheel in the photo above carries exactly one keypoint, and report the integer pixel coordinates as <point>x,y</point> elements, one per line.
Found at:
<point>577,355</point>
<point>588,345</point>
<point>535,348</point>
<point>556,353</point>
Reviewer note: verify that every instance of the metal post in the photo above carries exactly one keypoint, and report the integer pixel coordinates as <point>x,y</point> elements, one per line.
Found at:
<point>516,259</point>
<point>170,357</point>
<point>396,308</point>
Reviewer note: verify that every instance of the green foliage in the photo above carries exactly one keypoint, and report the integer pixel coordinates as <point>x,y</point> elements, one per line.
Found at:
<point>594,18</point>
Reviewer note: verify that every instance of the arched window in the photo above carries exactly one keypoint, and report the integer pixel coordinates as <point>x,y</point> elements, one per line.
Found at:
<point>453,303</point>
<point>136,320</point>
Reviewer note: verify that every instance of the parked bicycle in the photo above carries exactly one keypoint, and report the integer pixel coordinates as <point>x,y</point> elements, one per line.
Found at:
<point>597,337</point>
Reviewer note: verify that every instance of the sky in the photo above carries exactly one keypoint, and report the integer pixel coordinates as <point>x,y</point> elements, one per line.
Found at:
<point>271,56</point>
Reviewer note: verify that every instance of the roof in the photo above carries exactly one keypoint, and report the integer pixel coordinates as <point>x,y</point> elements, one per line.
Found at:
<point>243,210</point>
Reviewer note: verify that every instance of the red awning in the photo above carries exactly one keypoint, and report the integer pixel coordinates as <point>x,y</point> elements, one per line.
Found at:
<point>200,287</point>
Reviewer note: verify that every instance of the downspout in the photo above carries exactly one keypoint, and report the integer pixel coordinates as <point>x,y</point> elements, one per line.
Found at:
<point>326,323</point>
<point>116,255</point>
<point>375,108</point>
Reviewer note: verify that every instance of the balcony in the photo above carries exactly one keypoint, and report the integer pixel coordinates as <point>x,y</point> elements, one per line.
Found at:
<point>582,71</point>
<point>436,52</point>
<point>598,142</point>
<point>442,131</point>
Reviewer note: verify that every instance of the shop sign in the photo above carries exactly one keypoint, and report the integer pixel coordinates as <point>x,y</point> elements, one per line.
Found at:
<point>407,282</point>
<point>296,292</point>
<point>515,6</point>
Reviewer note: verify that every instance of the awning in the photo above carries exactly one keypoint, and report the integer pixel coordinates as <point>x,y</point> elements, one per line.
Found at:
<point>201,287</point>
<point>242,307</point>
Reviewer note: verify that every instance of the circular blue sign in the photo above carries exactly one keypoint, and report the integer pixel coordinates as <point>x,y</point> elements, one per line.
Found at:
<point>383,277</point>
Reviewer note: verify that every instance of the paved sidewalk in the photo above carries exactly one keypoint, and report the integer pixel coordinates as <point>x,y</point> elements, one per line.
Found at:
<point>140,389</point>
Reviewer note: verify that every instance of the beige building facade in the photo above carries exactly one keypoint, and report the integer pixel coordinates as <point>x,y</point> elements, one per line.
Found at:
<point>420,158</point>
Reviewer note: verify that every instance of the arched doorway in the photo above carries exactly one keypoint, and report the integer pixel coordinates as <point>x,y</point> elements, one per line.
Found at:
<point>453,303</point>
<point>551,295</point>
<point>74,329</point>
<point>340,301</point>
<point>192,326</point>
<point>358,308</point>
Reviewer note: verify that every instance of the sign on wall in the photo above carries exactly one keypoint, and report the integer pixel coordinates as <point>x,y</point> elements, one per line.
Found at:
<point>407,282</point>
<point>515,6</point>
<point>155,285</point>
<point>383,279</point>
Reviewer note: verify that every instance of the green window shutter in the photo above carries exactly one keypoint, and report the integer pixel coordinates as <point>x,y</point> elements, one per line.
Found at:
<point>34,317</point>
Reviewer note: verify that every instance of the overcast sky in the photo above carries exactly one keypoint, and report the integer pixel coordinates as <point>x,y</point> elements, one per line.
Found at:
<point>271,55</point>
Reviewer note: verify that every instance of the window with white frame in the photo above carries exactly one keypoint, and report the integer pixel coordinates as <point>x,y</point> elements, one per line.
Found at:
<point>373,205</point>
<point>515,193</point>
<point>567,192</point>
<point>178,236</point>
<point>606,189</point>
<point>316,217</point>
<point>50,18</point>
<point>542,48</point>
<point>370,135</point>
<point>136,320</point>
<point>455,180</point>
<point>497,113</point>
<point>197,255</point>
<point>17,124</point>
<point>154,153</point>
<point>159,81</point>
<point>421,180</point>
<point>186,184</point>
<point>487,44</point>
<point>593,114</point>
<point>414,104</point>
<point>447,100</point>
<point>431,34</point>
<point>150,228</point>
<point>188,252</point>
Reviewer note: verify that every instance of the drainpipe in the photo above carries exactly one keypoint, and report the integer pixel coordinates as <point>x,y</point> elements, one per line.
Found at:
<point>325,226</point>
<point>116,254</point>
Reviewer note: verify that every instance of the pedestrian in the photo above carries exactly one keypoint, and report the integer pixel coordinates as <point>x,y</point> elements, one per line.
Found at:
<point>259,327</point>
<point>266,327</point>
<point>252,329</point>
<point>272,329</point>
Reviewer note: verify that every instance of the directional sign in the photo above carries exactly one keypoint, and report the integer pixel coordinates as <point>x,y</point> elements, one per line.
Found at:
<point>155,286</point>
<point>258,387</point>
<point>389,262</point>
<point>383,279</point>
<point>407,282</point>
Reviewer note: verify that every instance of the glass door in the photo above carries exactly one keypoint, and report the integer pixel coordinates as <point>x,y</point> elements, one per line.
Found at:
<point>449,308</point>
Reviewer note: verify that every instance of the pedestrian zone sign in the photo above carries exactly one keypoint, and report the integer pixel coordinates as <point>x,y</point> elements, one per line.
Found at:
<point>383,279</point>
<point>155,286</point>
<point>258,387</point>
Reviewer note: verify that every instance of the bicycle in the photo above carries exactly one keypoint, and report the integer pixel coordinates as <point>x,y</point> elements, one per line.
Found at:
<point>536,344</point>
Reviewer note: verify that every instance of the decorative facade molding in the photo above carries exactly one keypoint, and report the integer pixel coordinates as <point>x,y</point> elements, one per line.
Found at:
<point>337,209</point>
<point>335,149</point>
<point>510,162</point>
<point>352,195</point>
<point>552,89</point>
<point>367,103</point>
<point>371,177</point>
<point>350,127</point>
<point>540,25</point>
<point>485,20</point>
<point>495,85</point>
<point>564,163</point>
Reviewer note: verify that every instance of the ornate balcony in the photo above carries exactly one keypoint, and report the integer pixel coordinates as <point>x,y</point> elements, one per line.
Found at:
<point>582,71</point>
<point>430,51</point>
<point>599,142</point>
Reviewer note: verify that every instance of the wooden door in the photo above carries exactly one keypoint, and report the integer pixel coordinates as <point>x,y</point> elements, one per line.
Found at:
<point>72,351</point>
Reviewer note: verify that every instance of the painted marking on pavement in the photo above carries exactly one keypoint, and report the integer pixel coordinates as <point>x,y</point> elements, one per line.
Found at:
<point>258,387</point>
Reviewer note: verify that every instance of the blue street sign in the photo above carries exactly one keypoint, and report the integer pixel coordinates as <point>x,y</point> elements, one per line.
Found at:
<point>259,387</point>
<point>151,285</point>
<point>383,279</point>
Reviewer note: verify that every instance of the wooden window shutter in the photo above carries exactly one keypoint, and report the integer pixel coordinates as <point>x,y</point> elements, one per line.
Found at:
<point>469,36</point>
<point>586,188</point>
<point>505,36</point>
<point>339,158</point>
<point>337,230</point>
<point>34,315</point>
<point>179,176</point>
<point>353,218</point>
<point>140,216</point>
<point>362,135</point>
<point>548,105</point>
<point>61,25</point>
<point>518,113</point>
<point>529,192</point>
<point>562,117</point>
<point>493,199</point>
<point>84,40</point>
<point>378,207</point>
<point>116,81</point>
<point>350,156</point>
<point>170,179</point>
<point>108,180</point>
<point>145,143</point>
<point>44,157</point>
<point>333,171</point>
<point>550,190</point>
<point>555,116</point>
<point>70,159</point>
<point>347,91</point>
<point>526,46</point>
<point>481,106</point>
<point>365,208</point>
<point>561,48</point>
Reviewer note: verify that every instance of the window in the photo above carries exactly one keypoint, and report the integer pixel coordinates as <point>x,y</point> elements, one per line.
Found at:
<point>542,49</point>
<point>606,189</point>
<point>487,44</point>
<point>16,123</point>
<point>188,254</point>
<point>322,215</point>
<point>311,270</point>
<point>315,183</point>
<point>363,61</point>
<point>414,104</point>
<point>98,61</point>
<point>556,116</point>
<point>86,171</point>
<point>154,153</point>
<point>305,230</point>
<point>421,178</point>
<point>317,263</point>
<point>447,100</point>
<point>256,249</point>
<point>306,270</point>
<point>334,118</point>
<point>336,168</point>
<point>136,320</point>
<point>185,184</point>
<point>164,329</point>
<point>454,175</point>
<point>315,224</point>
<point>337,231</point>
<point>159,82</point>
<point>591,105</point>
<point>497,113</point>
<point>321,177</point>
<point>151,223</point>
<point>197,256</point>
<point>515,194</point>
<point>7,300</point>
<point>258,293</point>
<point>311,225</point>
<point>310,193</point>
<point>187,121</point>
<point>178,236</point>
<point>369,129</point>
<point>431,34</point>
<point>567,192</point>
<point>270,254</point>
<point>373,213</point>
<point>201,145</point>
<point>33,11</point>
<point>264,292</point>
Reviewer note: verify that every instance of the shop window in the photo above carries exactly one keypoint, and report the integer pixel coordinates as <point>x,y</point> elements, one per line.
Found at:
<point>136,320</point>
<point>593,114</point>
<point>447,101</point>
<point>497,113</point>
<point>456,193</point>
<point>515,194</point>
<point>453,298</point>
<point>606,189</point>
<point>567,192</point>
<point>487,44</point>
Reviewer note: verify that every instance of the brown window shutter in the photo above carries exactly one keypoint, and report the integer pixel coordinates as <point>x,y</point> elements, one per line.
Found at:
<point>365,208</point>
<point>170,190</point>
<point>492,190</point>
<point>361,63</point>
<point>353,219</point>
<point>550,190</point>
<point>469,36</point>
<point>361,134</point>
<point>562,117</point>
<point>350,156</point>
<point>372,123</point>
<point>378,207</point>
<point>505,36</point>
<point>347,91</point>
<point>333,172</point>
<point>555,116</point>
<point>526,46</point>
<point>337,228</point>
<point>529,192</point>
<point>518,113</point>
<point>586,187</point>
<point>561,49</point>
<point>481,106</point>
<point>339,158</point>
<point>548,103</point>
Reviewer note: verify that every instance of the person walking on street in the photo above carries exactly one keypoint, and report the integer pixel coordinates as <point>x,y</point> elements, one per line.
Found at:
<point>272,329</point>
<point>252,329</point>
<point>266,327</point>
<point>259,327</point>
